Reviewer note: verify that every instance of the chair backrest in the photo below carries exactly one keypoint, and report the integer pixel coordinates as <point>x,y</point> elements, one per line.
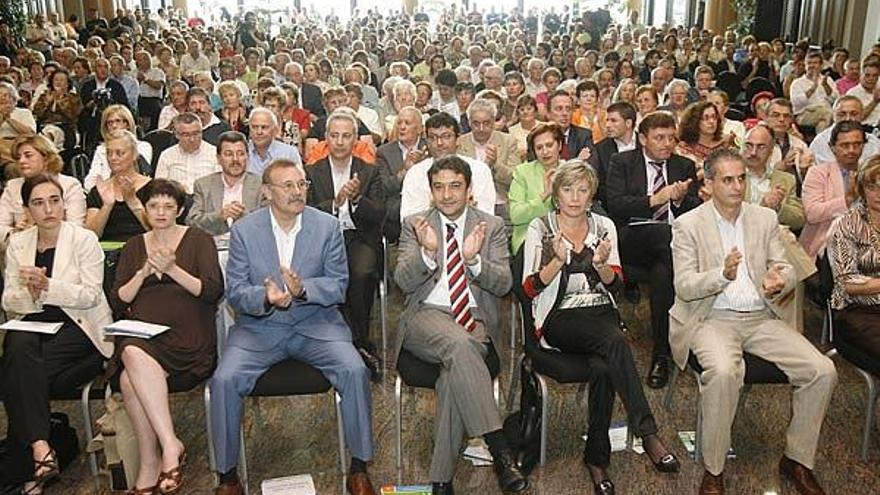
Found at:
<point>758,85</point>
<point>160,140</point>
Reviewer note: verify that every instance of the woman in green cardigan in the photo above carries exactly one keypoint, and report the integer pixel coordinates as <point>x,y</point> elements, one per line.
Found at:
<point>530,191</point>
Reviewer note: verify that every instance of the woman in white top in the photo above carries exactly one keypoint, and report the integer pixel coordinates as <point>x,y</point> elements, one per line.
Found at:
<point>570,263</point>
<point>115,117</point>
<point>35,155</point>
<point>54,271</point>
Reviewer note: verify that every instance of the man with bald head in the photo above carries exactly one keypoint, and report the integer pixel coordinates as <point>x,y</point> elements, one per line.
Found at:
<point>263,147</point>
<point>395,158</point>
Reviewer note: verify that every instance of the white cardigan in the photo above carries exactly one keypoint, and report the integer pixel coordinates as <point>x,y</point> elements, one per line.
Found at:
<point>75,285</point>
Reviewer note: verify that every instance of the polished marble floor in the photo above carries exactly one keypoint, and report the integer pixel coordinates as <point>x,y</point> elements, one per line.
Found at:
<point>298,435</point>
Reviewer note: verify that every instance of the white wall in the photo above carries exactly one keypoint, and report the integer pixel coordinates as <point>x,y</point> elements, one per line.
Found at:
<point>872,28</point>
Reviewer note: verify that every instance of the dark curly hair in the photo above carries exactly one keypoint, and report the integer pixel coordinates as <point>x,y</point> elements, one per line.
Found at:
<point>689,126</point>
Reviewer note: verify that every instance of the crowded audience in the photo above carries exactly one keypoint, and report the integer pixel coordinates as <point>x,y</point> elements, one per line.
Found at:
<point>563,158</point>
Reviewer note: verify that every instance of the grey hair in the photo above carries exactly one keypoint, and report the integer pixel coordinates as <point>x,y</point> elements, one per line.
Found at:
<point>124,135</point>
<point>401,86</point>
<point>716,158</point>
<point>265,111</point>
<point>343,113</point>
<point>10,88</point>
<point>482,105</point>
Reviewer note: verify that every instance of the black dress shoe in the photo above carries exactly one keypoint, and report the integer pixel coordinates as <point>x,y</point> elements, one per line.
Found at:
<point>442,489</point>
<point>631,293</point>
<point>659,375</point>
<point>510,477</point>
<point>373,363</point>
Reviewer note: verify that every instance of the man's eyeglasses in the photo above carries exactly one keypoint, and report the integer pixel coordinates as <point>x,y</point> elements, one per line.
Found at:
<point>291,186</point>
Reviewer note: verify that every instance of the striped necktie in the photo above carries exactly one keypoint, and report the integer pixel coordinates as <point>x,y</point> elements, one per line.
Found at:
<point>459,297</point>
<point>661,214</point>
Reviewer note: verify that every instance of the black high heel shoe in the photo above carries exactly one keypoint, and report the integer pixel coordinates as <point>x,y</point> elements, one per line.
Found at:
<point>667,464</point>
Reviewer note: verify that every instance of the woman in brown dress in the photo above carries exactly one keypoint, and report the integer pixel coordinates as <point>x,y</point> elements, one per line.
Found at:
<point>168,276</point>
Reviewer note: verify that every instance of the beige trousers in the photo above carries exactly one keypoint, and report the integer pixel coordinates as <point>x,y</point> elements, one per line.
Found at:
<point>719,343</point>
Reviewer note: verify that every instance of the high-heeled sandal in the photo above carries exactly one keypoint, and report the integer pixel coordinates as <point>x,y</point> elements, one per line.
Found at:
<point>50,462</point>
<point>173,475</point>
<point>150,490</point>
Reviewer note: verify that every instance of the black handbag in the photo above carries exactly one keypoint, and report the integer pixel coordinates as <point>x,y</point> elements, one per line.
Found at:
<point>522,429</point>
<point>63,438</point>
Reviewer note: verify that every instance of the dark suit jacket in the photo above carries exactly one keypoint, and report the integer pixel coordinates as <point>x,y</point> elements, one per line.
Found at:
<point>627,186</point>
<point>605,149</point>
<point>312,99</point>
<point>578,139</point>
<point>116,91</point>
<point>389,159</point>
<point>369,214</point>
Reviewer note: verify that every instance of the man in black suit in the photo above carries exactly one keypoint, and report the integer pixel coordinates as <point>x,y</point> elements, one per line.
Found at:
<point>90,117</point>
<point>578,141</point>
<point>351,190</point>
<point>620,136</point>
<point>647,189</point>
<point>394,159</point>
<point>309,95</point>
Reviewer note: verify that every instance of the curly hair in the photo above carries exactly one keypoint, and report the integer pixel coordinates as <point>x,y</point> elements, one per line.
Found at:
<point>689,127</point>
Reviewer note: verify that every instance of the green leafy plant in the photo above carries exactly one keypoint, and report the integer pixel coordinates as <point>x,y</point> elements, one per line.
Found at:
<point>12,12</point>
<point>745,16</point>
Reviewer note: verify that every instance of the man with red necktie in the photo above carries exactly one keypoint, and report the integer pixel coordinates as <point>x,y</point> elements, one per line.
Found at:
<point>453,267</point>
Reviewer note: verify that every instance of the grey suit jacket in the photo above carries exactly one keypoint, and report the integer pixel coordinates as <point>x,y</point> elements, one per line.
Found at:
<point>208,199</point>
<point>698,260</point>
<point>417,280</point>
<point>506,159</point>
<point>389,159</point>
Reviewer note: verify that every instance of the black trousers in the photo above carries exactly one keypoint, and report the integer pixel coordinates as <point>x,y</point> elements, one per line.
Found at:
<point>148,111</point>
<point>647,256</point>
<point>363,276</point>
<point>595,331</point>
<point>34,368</point>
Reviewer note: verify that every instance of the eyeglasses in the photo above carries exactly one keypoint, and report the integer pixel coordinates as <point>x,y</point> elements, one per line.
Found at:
<point>447,136</point>
<point>291,186</point>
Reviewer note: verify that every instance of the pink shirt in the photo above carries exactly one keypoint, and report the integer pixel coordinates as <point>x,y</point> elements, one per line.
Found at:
<point>844,85</point>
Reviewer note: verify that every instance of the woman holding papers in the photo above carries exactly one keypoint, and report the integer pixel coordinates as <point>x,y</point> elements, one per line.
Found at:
<point>168,276</point>
<point>54,272</point>
<point>571,262</point>
<point>35,155</point>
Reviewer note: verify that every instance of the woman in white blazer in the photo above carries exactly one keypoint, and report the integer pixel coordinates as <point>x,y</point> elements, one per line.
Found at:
<point>35,155</point>
<point>54,273</point>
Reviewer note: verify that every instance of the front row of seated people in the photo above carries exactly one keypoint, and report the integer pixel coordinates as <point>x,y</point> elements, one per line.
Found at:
<point>730,282</point>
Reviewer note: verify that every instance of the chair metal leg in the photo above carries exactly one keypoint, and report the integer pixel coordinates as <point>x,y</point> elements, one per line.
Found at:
<point>698,437</point>
<point>212,461</point>
<point>514,375</point>
<point>545,416</point>
<point>870,409</point>
<point>340,427</point>
<point>513,320</point>
<point>242,457</point>
<point>667,396</point>
<point>496,392</point>
<point>383,314</point>
<point>398,410</point>
<point>87,420</point>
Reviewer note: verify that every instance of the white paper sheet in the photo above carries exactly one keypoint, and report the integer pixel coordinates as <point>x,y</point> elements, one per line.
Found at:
<point>32,326</point>
<point>134,328</point>
<point>300,484</point>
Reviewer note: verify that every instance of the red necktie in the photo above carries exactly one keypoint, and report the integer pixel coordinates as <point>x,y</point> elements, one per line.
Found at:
<point>459,299</point>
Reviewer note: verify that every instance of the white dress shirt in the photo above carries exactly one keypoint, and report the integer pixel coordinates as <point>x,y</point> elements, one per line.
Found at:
<point>799,89</point>
<point>622,146</point>
<point>866,97</point>
<point>439,295</point>
<point>415,192</point>
<point>342,174</point>
<point>739,294</point>
<point>186,168</point>
<point>285,242</point>
<point>233,192</point>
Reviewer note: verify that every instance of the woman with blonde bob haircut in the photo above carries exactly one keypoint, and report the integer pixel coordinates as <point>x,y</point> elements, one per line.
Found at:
<point>571,262</point>
<point>115,212</point>
<point>34,155</point>
<point>113,118</point>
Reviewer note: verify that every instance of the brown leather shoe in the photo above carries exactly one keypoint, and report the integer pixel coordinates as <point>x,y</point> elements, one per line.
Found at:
<point>711,484</point>
<point>801,476</point>
<point>233,488</point>
<point>359,484</point>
